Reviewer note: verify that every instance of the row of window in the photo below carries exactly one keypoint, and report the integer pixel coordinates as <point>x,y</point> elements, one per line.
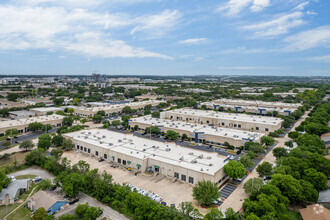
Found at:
<point>184,177</point>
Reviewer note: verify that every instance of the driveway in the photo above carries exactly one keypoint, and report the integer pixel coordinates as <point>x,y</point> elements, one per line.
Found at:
<point>83,198</point>
<point>33,171</point>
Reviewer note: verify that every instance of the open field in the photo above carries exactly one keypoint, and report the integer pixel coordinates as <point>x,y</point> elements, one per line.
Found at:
<point>27,176</point>
<point>19,157</point>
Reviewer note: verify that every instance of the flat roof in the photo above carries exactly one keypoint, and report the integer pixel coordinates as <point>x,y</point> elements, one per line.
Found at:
<point>228,116</point>
<point>191,127</point>
<point>48,109</point>
<point>256,108</point>
<point>204,162</point>
<point>22,112</point>
<point>257,103</point>
<point>26,121</point>
<point>110,106</point>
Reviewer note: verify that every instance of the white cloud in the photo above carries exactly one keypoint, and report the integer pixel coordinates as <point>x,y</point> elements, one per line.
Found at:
<point>234,7</point>
<point>281,24</point>
<point>193,41</point>
<point>318,37</point>
<point>241,67</point>
<point>259,5</point>
<point>157,25</point>
<point>242,50</point>
<point>320,59</point>
<point>57,28</point>
<point>301,6</point>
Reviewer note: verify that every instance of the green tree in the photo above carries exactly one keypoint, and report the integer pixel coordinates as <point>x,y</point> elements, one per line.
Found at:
<point>83,120</point>
<point>26,145</point>
<point>232,215</point>
<point>76,101</point>
<point>155,114</point>
<point>12,97</point>
<point>56,153</point>
<point>267,140</point>
<point>4,181</point>
<point>115,123</point>
<point>184,137</point>
<point>86,212</point>
<point>40,214</point>
<point>44,141</point>
<point>58,101</point>
<point>101,112</point>
<point>45,184</point>
<point>246,161</point>
<point>214,214</point>
<point>67,121</point>
<point>205,192</point>
<point>188,210</point>
<point>311,142</point>
<point>265,169</point>
<point>97,118</point>
<point>35,126</point>
<point>318,179</point>
<point>67,144</point>
<point>47,127</point>
<point>279,152</point>
<point>253,185</point>
<point>68,217</point>
<point>72,184</point>
<point>289,144</point>
<point>71,111</point>
<point>293,134</point>
<point>153,130</point>
<point>172,135</point>
<point>57,140</point>
<point>4,112</point>
<point>235,169</point>
<point>11,132</point>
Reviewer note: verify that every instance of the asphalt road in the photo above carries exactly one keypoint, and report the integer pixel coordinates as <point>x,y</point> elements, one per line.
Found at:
<point>33,171</point>
<point>28,136</point>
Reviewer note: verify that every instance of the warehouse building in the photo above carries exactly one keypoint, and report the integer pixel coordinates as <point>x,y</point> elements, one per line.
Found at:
<point>140,154</point>
<point>224,120</point>
<point>45,110</point>
<point>241,102</point>
<point>249,109</point>
<point>199,133</point>
<point>112,108</point>
<point>22,125</point>
<point>21,114</point>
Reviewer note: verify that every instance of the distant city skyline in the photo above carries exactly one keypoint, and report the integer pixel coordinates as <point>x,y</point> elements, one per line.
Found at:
<point>162,37</point>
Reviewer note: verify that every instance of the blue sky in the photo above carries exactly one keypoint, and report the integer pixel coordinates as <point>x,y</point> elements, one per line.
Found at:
<point>165,37</point>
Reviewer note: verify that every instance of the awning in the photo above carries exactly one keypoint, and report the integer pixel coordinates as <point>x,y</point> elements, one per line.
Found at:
<point>129,162</point>
<point>156,166</point>
<point>138,165</point>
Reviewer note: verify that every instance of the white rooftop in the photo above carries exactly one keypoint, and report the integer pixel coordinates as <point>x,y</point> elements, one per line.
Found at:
<point>26,121</point>
<point>229,116</point>
<point>49,109</point>
<point>190,127</point>
<point>247,107</point>
<point>142,148</point>
<point>257,103</point>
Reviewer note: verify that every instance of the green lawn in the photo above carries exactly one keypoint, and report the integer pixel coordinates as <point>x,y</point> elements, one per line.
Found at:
<point>9,209</point>
<point>293,215</point>
<point>22,214</point>
<point>28,176</point>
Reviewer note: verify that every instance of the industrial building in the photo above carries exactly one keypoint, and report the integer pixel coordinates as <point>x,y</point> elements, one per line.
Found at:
<point>140,154</point>
<point>249,109</point>
<point>112,108</point>
<point>21,114</point>
<point>241,102</point>
<point>199,133</point>
<point>224,120</point>
<point>22,125</point>
<point>45,110</point>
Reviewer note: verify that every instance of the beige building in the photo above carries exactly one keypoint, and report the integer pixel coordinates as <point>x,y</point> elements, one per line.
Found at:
<point>22,125</point>
<point>112,108</point>
<point>4,103</point>
<point>199,133</point>
<point>224,120</point>
<point>45,110</point>
<point>249,109</point>
<point>140,154</point>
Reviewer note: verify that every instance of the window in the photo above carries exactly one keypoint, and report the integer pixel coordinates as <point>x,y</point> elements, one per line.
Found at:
<point>191,180</point>
<point>176,175</point>
<point>266,129</point>
<point>85,149</point>
<point>96,153</point>
<point>89,150</point>
<point>119,160</point>
<point>105,156</point>
<point>207,122</point>
<point>124,162</point>
<point>239,126</point>
<point>78,147</point>
<point>257,128</point>
<point>183,177</point>
<point>222,124</point>
<point>235,125</point>
<point>81,147</point>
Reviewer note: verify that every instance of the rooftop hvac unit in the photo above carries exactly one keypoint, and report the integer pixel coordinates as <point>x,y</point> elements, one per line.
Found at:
<point>89,132</point>
<point>153,146</point>
<point>103,136</point>
<point>202,169</point>
<point>264,121</point>
<point>110,144</point>
<point>225,134</point>
<point>144,149</point>
<point>211,164</point>
<point>167,149</point>
<point>78,136</point>
<point>194,161</point>
<point>101,142</point>
<point>209,158</point>
<point>86,137</point>
<point>200,156</point>
<point>181,158</point>
<point>119,140</point>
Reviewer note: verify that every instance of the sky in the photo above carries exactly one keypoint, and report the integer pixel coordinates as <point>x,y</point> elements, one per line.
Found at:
<point>165,37</point>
